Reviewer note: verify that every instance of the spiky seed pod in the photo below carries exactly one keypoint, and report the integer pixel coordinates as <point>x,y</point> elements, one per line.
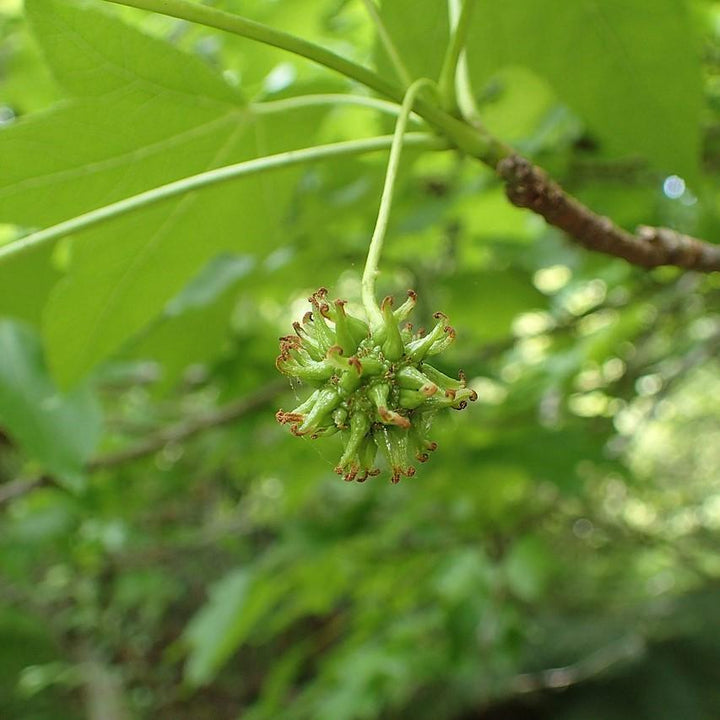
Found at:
<point>375,387</point>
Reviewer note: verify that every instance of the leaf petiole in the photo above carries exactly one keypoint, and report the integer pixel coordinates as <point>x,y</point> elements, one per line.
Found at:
<point>211,177</point>
<point>449,72</point>
<point>293,103</point>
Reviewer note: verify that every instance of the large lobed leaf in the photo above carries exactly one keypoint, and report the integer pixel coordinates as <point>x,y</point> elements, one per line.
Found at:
<point>143,114</point>
<point>631,70</point>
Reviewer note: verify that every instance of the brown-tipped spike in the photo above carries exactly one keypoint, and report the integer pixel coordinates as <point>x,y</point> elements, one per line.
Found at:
<point>473,397</point>
<point>409,327</point>
<point>288,417</point>
<point>422,332</point>
<point>409,472</point>
<point>319,295</point>
<point>387,302</point>
<point>374,472</point>
<point>440,315</point>
<point>307,317</point>
<point>395,479</point>
<point>390,417</point>
<point>450,393</point>
<point>422,457</point>
<point>355,362</point>
<point>295,430</point>
<point>335,350</point>
<point>432,446</point>
<point>298,328</point>
<point>461,406</point>
<point>412,295</point>
<point>362,478</point>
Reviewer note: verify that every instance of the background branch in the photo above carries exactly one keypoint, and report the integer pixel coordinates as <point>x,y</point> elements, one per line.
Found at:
<point>158,440</point>
<point>189,428</point>
<point>628,649</point>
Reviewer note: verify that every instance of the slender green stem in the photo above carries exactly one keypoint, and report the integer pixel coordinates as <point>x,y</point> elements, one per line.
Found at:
<point>472,141</point>
<point>211,177</point>
<point>301,101</point>
<point>465,96</point>
<point>458,37</point>
<point>378,237</point>
<point>388,44</point>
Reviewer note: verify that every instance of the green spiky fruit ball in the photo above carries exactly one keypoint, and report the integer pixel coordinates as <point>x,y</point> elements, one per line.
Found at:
<point>373,386</point>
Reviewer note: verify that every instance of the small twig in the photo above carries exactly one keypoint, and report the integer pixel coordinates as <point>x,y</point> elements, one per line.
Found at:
<point>188,428</point>
<point>627,649</point>
<point>22,486</point>
<point>157,441</point>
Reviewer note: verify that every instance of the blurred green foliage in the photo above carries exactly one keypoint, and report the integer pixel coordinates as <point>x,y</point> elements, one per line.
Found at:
<point>169,552</point>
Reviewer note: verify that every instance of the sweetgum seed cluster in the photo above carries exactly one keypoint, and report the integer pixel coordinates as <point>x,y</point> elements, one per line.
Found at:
<point>375,387</point>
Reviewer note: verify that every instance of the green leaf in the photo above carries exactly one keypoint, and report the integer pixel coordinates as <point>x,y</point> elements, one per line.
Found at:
<point>26,83</point>
<point>26,283</point>
<point>629,69</point>
<point>132,266</point>
<point>211,282</point>
<point>420,36</point>
<point>527,568</point>
<point>223,623</point>
<point>59,431</point>
<point>88,56</point>
<point>83,154</point>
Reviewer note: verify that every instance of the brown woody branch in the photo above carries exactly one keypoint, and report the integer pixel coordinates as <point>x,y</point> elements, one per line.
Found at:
<point>528,186</point>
